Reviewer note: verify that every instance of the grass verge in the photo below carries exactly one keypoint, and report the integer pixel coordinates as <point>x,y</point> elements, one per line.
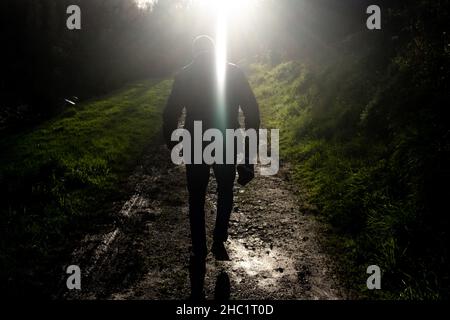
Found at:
<point>368,150</point>
<point>56,178</point>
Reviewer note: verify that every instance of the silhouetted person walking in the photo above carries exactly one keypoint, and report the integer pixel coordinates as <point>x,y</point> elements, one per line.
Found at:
<point>196,88</point>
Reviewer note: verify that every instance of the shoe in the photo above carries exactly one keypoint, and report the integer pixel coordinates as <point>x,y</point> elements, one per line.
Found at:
<point>219,251</point>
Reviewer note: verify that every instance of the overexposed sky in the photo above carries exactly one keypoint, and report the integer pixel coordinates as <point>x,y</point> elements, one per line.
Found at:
<point>143,3</point>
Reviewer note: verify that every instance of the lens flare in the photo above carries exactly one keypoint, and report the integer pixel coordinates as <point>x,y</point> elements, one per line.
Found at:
<point>221,49</point>
<point>221,58</point>
<point>143,4</point>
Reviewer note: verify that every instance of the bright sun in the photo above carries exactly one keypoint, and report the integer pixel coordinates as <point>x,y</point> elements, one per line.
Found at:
<point>226,13</point>
<point>143,3</point>
<point>226,5</point>
<point>213,6</point>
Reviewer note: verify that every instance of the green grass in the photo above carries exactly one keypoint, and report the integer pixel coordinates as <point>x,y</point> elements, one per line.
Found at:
<point>61,174</point>
<point>366,184</point>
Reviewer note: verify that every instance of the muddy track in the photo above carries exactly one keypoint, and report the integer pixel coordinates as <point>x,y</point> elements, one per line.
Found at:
<point>274,243</point>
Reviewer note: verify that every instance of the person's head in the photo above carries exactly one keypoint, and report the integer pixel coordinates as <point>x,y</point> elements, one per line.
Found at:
<point>203,45</point>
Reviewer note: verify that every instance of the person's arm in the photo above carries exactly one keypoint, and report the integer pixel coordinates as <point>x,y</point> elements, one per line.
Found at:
<point>172,112</point>
<point>250,108</point>
<point>248,103</point>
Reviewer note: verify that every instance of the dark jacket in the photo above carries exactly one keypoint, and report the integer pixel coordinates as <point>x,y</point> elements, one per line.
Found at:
<point>196,89</point>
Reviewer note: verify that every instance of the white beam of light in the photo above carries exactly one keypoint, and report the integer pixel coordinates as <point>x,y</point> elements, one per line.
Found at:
<point>221,50</point>
<point>221,56</point>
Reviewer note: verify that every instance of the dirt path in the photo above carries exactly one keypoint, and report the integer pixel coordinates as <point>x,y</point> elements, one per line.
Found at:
<point>273,245</point>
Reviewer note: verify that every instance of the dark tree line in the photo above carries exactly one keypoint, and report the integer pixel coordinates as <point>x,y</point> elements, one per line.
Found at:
<point>43,61</point>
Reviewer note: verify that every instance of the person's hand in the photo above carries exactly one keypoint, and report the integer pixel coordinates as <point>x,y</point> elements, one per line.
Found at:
<point>246,173</point>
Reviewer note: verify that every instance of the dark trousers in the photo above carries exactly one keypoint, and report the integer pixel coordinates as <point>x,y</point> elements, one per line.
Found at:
<point>197,182</point>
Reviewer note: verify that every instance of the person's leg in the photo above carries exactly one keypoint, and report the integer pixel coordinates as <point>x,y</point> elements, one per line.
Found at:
<point>225,176</point>
<point>197,182</point>
<point>197,271</point>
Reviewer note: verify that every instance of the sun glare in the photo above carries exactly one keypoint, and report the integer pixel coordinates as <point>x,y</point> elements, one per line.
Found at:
<point>225,12</point>
<point>230,8</point>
